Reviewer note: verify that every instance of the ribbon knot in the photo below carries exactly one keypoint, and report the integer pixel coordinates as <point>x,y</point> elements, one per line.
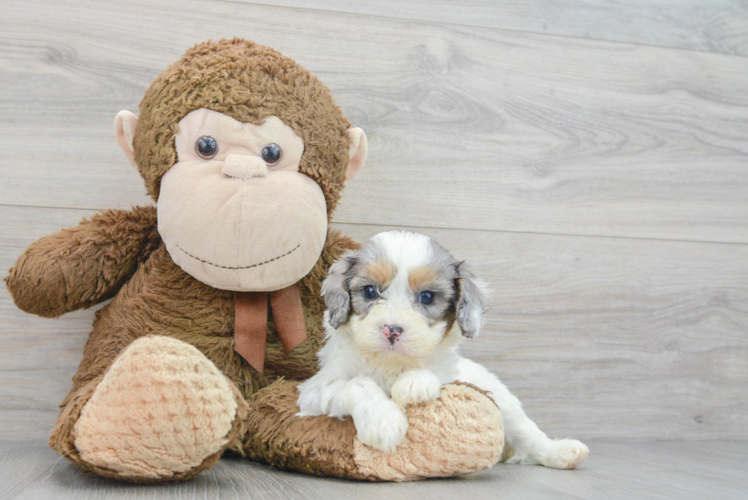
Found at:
<point>251,322</point>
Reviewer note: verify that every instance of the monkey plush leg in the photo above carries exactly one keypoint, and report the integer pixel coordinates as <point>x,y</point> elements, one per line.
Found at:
<point>162,412</point>
<point>460,433</point>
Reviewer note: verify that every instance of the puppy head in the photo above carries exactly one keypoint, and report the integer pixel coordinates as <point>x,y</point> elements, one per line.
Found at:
<point>400,294</point>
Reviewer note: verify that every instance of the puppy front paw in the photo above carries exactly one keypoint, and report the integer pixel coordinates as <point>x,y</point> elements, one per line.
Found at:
<point>383,428</point>
<point>565,454</point>
<point>418,386</point>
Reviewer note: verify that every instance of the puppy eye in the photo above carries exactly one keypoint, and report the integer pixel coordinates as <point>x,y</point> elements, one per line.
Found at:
<point>271,153</point>
<point>370,292</point>
<point>426,298</point>
<point>206,147</point>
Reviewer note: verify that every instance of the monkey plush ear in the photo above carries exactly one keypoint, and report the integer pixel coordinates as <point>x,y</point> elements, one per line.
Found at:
<point>125,126</point>
<point>356,152</point>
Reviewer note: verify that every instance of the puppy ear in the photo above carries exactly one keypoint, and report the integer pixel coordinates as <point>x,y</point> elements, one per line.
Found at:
<point>335,290</point>
<point>472,298</point>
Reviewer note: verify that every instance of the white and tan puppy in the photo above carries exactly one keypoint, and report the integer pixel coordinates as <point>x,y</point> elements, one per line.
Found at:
<point>397,311</point>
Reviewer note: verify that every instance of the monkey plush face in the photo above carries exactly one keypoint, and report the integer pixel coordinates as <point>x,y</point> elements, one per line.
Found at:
<point>234,211</point>
<point>245,153</point>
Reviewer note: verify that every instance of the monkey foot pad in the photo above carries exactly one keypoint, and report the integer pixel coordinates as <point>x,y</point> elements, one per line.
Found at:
<point>161,410</point>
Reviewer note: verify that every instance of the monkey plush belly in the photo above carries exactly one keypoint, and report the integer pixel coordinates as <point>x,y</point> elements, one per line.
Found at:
<point>161,299</point>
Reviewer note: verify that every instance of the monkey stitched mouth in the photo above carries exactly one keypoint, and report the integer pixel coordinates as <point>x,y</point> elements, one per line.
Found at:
<point>242,267</point>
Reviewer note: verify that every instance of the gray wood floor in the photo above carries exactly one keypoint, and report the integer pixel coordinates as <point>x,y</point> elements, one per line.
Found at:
<point>588,158</point>
<point>624,471</point>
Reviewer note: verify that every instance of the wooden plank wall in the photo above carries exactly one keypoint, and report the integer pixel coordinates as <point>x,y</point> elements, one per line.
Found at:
<point>588,158</point>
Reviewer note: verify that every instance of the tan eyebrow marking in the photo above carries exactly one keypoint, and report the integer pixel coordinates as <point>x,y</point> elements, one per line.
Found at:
<point>422,276</point>
<point>382,271</point>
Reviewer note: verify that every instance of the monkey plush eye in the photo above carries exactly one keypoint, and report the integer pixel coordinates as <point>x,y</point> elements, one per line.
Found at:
<point>271,153</point>
<point>206,147</point>
<point>426,298</point>
<point>370,292</point>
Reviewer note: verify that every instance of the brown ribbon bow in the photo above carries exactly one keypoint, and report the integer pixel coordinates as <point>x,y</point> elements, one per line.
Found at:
<point>251,322</point>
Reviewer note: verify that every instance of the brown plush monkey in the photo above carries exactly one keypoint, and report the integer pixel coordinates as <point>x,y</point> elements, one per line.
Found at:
<point>216,290</point>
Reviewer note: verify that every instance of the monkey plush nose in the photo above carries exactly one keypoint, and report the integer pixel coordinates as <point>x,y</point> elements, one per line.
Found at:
<point>244,166</point>
<point>392,333</point>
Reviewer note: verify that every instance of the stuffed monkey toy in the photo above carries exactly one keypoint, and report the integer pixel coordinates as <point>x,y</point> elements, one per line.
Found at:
<point>215,291</point>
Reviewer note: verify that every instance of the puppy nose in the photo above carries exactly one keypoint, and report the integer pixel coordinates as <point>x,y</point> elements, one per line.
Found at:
<point>244,166</point>
<point>392,333</point>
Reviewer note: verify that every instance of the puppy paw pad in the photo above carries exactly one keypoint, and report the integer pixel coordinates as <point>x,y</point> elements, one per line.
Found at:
<point>566,454</point>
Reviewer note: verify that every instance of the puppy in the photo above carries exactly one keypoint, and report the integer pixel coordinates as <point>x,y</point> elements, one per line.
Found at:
<point>397,311</point>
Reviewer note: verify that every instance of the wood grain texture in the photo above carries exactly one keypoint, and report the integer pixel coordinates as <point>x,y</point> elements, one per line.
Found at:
<point>713,26</point>
<point>601,187</point>
<point>469,127</point>
<point>29,470</point>
<point>600,337</point>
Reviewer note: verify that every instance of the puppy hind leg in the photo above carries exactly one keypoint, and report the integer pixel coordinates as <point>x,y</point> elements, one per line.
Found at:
<point>529,443</point>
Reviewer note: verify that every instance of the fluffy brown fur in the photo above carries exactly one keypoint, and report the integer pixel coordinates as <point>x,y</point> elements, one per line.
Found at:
<point>82,266</point>
<point>315,445</point>
<point>248,82</point>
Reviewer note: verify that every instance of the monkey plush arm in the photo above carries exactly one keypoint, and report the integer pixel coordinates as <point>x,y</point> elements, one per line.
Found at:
<point>84,265</point>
